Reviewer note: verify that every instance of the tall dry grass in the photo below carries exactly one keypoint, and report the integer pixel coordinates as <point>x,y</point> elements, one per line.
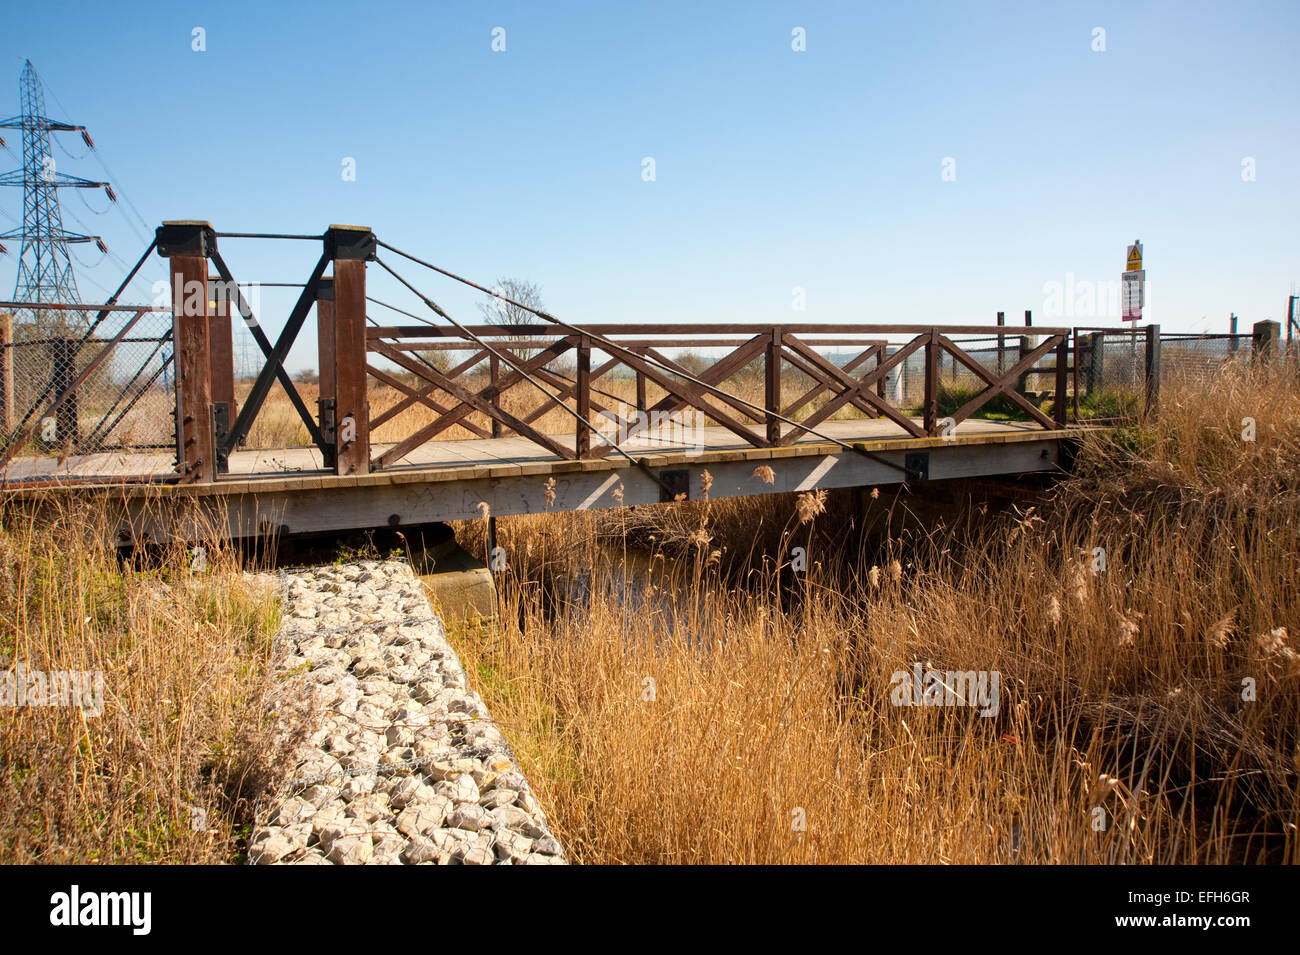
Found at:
<point>168,769</point>
<point>1149,711</point>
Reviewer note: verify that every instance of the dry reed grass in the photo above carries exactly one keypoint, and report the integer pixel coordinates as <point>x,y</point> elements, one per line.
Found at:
<point>1122,695</point>
<point>168,769</point>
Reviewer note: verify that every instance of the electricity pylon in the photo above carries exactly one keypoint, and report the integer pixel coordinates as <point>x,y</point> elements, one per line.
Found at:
<point>44,269</point>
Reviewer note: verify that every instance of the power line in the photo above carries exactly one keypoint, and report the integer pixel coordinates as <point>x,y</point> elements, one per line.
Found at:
<point>121,189</point>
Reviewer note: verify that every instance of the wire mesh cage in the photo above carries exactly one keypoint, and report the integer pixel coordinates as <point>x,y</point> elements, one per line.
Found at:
<point>81,380</point>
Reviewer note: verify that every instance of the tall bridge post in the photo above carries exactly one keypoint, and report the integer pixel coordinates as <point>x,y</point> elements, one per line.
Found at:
<point>185,244</point>
<point>327,351</point>
<point>350,247</point>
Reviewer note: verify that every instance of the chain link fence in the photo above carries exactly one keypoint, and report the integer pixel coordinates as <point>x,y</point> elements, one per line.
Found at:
<point>1200,358</point>
<point>79,382</point>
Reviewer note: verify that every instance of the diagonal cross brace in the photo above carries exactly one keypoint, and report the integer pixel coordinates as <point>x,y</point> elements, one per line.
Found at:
<point>1003,385</point>
<point>274,367</point>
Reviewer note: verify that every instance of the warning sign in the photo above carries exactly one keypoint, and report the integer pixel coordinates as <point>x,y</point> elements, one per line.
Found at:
<point>1133,294</point>
<point>1135,256</point>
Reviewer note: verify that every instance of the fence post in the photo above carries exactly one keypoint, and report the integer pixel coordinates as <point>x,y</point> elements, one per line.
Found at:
<point>1062,366</point>
<point>1290,324</point>
<point>930,413</point>
<point>351,247</point>
<point>1002,345</point>
<point>772,386</point>
<point>186,244</point>
<point>1152,368</point>
<point>881,354</point>
<point>494,375</point>
<point>327,352</point>
<point>1026,346</point>
<point>65,373</point>
<point>6,371</point>
<point>1264,342</point>
<point>582,438</point>
<point>1096,360</point>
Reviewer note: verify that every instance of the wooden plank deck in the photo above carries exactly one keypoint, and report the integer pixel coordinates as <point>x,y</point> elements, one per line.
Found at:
<point>490,454</point>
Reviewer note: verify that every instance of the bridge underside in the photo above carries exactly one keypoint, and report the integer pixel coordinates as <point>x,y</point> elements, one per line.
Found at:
<point>452,480</point>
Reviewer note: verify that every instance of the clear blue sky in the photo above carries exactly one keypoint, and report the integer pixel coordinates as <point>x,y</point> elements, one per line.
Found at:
<point>775,169</point>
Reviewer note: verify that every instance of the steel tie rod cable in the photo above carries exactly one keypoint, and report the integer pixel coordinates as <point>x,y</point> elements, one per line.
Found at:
<point>438,310</point>
<point>713,389</point>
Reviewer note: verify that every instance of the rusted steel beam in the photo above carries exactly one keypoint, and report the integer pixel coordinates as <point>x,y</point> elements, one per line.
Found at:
<point>325,342</point>
<point>221,363</point>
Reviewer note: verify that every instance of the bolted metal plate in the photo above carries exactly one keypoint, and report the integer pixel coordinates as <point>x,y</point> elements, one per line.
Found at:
<point>673,483</point>
<point>185,238</point>
<point>351,242</point>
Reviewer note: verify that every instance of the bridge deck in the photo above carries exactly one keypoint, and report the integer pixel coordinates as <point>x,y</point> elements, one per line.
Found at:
<point>125,467</point>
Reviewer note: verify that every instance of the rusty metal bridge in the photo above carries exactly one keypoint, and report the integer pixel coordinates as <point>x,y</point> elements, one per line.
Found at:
<point>419,417</point>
